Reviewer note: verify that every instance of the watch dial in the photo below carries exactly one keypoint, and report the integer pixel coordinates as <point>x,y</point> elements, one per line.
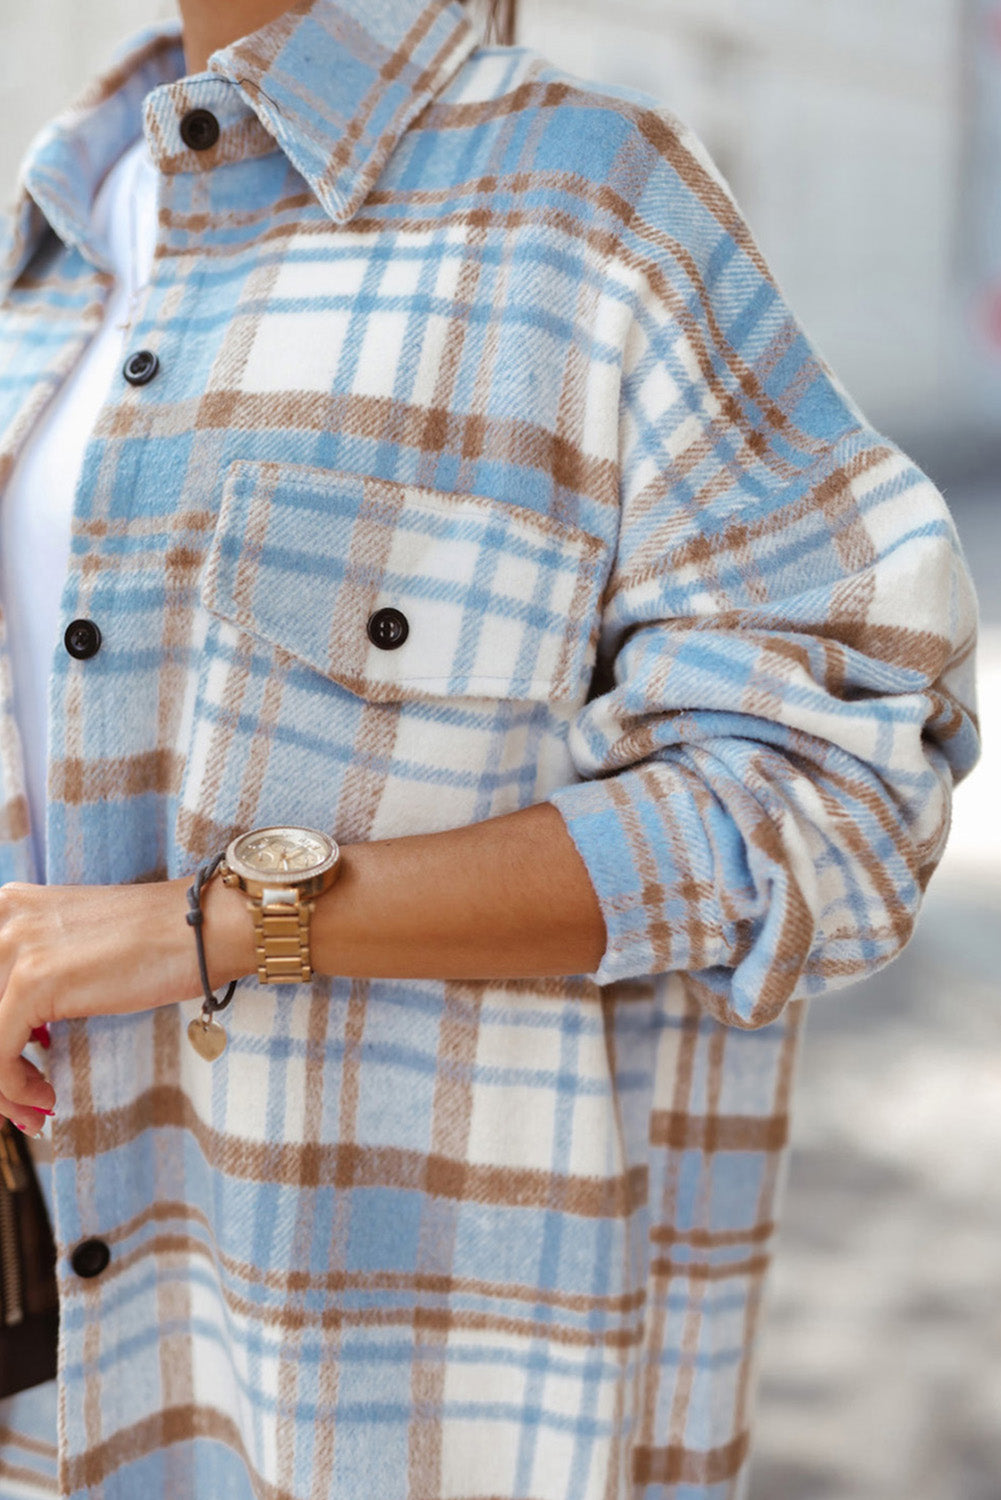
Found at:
<point>283,851</point>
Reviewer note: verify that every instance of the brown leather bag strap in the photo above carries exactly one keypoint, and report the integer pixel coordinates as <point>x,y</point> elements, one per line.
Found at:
<point>29,1301</point>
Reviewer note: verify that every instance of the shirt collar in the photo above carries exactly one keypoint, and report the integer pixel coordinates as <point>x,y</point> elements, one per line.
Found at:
<point>334,83</point>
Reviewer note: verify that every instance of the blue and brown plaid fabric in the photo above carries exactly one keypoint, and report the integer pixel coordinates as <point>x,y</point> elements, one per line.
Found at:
<point>444,329</point>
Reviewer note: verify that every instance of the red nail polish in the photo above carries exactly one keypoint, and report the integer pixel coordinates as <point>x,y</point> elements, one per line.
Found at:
<point>46,1111</point>
<point>19,1127</point>
<point>40,1034</point>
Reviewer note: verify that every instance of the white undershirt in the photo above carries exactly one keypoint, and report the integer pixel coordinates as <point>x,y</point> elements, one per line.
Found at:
<point>37,507</point>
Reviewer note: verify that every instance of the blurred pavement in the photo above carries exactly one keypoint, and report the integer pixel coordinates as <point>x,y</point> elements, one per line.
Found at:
<point>880,1357</point>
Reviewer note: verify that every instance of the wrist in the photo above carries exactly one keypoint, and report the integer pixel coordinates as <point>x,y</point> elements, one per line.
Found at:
<point>228,933</point>
<point>347,923</point>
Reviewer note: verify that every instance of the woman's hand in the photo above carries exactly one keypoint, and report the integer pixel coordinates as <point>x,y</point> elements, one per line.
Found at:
<point>99,950</point>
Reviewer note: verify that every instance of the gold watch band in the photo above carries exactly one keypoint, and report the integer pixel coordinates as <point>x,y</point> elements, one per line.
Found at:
<point>281,933</point>
<point>280,903</point>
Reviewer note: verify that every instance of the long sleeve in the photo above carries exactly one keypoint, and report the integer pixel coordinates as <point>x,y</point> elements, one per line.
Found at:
<point>787,636</point>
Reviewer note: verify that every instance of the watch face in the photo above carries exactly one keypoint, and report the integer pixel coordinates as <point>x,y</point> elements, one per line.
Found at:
<point>285,855</point>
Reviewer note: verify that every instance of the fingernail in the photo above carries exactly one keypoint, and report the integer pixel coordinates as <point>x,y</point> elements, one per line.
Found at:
<point>47,1111</point>
<point>41,1034</point>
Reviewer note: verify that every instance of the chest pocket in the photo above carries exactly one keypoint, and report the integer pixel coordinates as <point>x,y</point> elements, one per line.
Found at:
<point>395,591</point>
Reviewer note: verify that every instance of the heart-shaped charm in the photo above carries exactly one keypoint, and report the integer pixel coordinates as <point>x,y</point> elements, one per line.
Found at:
<point>207,1037</point>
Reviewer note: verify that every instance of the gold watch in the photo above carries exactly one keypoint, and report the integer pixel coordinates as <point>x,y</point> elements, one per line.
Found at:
<point>282,870</point>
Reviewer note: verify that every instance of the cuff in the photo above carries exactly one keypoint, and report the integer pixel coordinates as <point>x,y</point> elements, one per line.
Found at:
<point>621,833</point>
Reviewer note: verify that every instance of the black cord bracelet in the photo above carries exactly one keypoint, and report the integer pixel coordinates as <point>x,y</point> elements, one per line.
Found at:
<point>196,919</point>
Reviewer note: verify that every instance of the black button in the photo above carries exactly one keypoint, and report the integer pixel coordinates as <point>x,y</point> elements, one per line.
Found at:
<point>82,639</point>
<point>199,129</point>
<point>90,1258</point>
<point>388,628</point>
<point>140,367</point>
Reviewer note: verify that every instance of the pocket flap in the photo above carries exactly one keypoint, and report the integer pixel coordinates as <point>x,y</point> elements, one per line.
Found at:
<point>498,600</point>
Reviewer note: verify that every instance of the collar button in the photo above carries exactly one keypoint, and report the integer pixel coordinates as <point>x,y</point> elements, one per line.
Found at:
<point>199,129</point>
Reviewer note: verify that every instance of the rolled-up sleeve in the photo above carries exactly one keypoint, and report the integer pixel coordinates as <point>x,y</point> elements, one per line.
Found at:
<point>787,636</point>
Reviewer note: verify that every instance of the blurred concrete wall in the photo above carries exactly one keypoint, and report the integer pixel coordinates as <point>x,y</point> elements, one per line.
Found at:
<point>838,125</point>
<point>48,50</point>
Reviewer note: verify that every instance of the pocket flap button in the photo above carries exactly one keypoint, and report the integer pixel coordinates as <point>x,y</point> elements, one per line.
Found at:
<point>388,628</point>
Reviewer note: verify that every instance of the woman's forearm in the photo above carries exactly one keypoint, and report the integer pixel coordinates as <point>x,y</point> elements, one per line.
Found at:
<point>506,898</point>
<point>509,897</point>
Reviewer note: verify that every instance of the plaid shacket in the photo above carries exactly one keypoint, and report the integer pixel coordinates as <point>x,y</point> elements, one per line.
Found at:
<point>445,329</point>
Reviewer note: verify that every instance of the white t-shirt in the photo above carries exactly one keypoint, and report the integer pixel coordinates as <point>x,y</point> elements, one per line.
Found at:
<point>37,506</point>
